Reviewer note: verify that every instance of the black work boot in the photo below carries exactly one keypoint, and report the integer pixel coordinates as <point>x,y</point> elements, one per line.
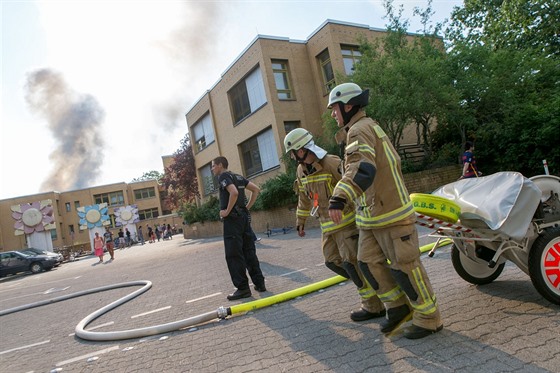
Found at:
<point>239,293</point>
<point>394,317</point>
<point>417,332</point>
<point>363,315</point>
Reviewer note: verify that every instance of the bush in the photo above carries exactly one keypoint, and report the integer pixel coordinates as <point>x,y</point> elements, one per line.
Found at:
<point>277,192</point>
<point>208,211</point>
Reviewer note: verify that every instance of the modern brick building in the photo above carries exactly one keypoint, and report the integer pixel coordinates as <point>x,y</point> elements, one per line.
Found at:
<point>274,86</point>
<point>146,195</point>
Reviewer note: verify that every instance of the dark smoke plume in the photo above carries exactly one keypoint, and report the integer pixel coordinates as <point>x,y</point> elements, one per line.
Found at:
<point>75,122</point>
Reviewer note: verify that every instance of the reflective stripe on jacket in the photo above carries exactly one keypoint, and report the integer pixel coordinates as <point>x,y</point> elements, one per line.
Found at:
<point>315,189</point>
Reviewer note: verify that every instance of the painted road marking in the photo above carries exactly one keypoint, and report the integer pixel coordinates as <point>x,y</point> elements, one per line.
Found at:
<point>24,347</point>
<point>87,356</point>
<point>204,297</point>
<point>150,312</point>
<point>289,273</point>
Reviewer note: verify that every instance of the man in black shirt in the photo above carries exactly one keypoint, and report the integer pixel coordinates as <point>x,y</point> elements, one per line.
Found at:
<point>241,255</point>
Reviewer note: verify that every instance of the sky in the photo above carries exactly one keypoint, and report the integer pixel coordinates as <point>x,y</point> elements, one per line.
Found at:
<point>96,92</point>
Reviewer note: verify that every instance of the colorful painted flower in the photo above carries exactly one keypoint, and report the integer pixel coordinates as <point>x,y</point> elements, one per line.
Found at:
<point>126,215</point>
<point>93,216</point>
<point>33,217</point>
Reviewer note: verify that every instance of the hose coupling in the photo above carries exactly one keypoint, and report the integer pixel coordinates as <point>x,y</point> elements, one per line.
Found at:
<point>222,312</point>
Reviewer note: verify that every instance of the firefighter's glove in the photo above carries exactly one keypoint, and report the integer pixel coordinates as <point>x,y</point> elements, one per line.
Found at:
<point>337,203</point>
<point>300,230</point>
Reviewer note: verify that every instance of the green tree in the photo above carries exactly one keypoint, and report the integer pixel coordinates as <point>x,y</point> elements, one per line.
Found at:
<point>150,175</point>
<point>408,78</point>
<point>506,69</point>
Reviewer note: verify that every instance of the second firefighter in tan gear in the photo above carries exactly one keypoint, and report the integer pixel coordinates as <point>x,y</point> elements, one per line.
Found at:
<point>317,175</point>
<point>385,216</point>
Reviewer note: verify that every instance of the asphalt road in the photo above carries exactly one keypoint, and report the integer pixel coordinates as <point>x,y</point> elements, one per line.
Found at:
<point>505,326</point>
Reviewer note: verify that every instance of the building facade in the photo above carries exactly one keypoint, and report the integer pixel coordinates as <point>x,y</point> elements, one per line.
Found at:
<point>274,86</point>
<point>66,233</point>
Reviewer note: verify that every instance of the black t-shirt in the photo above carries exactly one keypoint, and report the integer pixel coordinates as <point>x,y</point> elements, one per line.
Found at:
<point>227,178</point>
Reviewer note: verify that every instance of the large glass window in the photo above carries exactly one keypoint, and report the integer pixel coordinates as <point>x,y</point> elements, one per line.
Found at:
<point>111,199</point>
<point>203,132</point>
<point>209,182</point>
<point>282,79</point>
<point>148,213</point>
<point>144,193</point>
<point>259,153</point>
<point>247,96</point>
<point>327,70</point>
<point>351,56</point>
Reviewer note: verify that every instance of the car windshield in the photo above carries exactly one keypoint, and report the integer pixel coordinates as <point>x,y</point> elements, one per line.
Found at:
<point>27,253</point>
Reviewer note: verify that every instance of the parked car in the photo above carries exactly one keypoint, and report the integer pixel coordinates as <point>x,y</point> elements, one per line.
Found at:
<point>33,251</point>
<point>12,262</point>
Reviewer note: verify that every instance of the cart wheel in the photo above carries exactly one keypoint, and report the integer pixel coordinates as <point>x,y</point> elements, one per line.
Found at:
<point>477,273</point>
<point>544,265</point>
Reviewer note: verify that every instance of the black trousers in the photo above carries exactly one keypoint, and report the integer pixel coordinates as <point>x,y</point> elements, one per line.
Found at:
<point>241,255</point>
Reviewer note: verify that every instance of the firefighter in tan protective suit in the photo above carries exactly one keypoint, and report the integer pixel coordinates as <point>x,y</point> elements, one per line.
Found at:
<point>385,216</point>
<point>317,175</point>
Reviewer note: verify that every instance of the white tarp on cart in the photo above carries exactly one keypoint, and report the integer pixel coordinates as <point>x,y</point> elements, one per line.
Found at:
<point>504,201</point>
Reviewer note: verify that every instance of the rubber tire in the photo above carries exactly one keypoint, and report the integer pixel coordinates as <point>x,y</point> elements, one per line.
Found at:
<point>546,245</point>
<point>36,267</point>
<point>466,267</point>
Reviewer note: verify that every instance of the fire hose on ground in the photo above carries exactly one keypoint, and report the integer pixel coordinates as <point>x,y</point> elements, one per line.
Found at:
<point>220,313</point>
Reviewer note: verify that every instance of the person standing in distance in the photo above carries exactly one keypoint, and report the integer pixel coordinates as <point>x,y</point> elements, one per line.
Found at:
<point>385,216</point>
<point>241,254</point>
<point>469,162</point>
<point>108,236</point>
<point>317,175</point>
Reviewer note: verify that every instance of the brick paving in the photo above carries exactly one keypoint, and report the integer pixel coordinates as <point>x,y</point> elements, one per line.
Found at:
<point>505,326</point>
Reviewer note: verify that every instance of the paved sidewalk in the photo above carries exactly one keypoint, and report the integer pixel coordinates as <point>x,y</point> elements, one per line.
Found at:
<point>505,326</point>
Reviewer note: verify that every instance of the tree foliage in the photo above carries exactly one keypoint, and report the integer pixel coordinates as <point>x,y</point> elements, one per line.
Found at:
<point>180,177</point>
<point>408,78</point>
<point>506,69</point>
<point>150,175</point>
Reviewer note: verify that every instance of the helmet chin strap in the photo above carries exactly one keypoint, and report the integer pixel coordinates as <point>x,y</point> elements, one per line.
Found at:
<point>302,159</point>
<point>346,116</point>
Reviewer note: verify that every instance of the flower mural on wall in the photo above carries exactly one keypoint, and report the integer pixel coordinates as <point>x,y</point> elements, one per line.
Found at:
<point>126,215</point>
<point>33,217</point>
<point>93,216</point>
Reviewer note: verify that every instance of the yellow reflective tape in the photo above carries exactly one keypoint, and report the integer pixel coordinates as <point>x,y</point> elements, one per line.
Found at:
<point>393,166</point>
<point>346,188</point>
<point>364,221</point>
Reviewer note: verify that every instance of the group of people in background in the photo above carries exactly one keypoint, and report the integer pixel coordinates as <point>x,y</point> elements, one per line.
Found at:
<point>124,239</point>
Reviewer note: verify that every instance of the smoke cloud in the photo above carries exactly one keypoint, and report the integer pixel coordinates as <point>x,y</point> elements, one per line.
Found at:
<point>75,122</point>
<point>190,48</point>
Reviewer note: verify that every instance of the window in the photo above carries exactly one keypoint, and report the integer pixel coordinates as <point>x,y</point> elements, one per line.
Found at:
<point>111,199</point>
<point>54,236</point>
<point>209,182</point>
<point>247,96</point>
<point>351,56</point>
<point>71,230</point>
<point>76,204</point>
<point>148,214</point>
<point>144,193</point>
<point>68,207</point>
<point>282,80</point>
<point>327,70</point>
<point>291,125</point>
<point>203,132</point>
<point>259,153</point>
